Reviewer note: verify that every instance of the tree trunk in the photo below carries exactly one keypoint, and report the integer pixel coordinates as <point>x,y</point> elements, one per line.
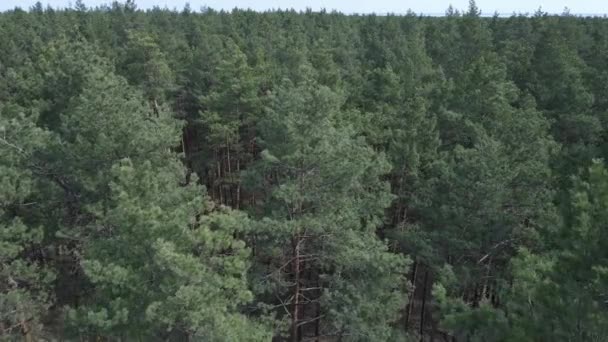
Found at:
<point>411,297</point>
<point>424,287</point>
<point>25,329</point>
<point>319,292</point>
<point>296,292</point>
<point>238,184</point>
<point>486,292</point>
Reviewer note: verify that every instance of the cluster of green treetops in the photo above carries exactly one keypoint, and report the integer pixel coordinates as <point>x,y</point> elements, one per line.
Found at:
<point>302,176</point>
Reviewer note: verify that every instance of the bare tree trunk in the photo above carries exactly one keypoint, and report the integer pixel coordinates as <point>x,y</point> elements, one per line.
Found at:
<point>25,329</point>
<point>27,333</point>
<point>318,323</point>
<point>485,281</point>
<point>238,184</point>
<point>411,297</point>
<point>229,167</point>
<point>424,288</point>
<point>296,294</point>
<point>218,175</point>
<point>319,293</point>
<point>228,156</point>
<point>155,107</point>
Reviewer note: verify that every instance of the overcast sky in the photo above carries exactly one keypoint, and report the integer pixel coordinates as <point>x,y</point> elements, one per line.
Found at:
<point>358,6</point>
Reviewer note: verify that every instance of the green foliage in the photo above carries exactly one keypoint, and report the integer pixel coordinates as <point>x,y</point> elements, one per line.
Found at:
<point>144,64</point>
<point>325,199</point>
<point>569,278</point>
<point>162,261</point>
<point>231,176</point>
<point>26,281</point>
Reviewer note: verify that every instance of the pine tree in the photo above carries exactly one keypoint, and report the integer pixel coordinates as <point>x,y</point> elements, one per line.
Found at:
<point>230,109</point>
<point>558,293</point>
<point>26,280</point>
<point>322,198</point>
<point>144,64</point>
<point>493,194</point>
<point>150,241</point>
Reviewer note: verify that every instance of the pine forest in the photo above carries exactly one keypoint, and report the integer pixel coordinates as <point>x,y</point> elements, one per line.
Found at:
<point>227,176</point>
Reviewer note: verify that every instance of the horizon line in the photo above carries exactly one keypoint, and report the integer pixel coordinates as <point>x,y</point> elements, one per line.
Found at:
<point>204,8</point>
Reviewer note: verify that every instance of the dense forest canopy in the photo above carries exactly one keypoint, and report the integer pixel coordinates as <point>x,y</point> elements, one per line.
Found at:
<point>302,176</point>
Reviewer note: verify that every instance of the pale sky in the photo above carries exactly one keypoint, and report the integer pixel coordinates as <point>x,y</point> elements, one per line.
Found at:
<point>488,7</point>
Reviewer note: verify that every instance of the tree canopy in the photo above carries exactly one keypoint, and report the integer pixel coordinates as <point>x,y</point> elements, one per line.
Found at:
<point>302,176</point>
